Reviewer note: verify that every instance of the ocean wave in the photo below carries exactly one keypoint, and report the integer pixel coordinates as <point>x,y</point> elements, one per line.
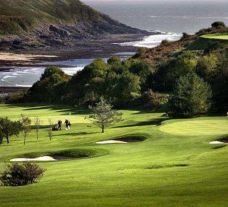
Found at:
<point>153,40</point>
<point>6,77</point>
<point>23,86</point>
<point>72,70</point>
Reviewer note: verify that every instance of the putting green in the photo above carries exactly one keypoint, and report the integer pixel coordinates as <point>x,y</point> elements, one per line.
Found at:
<point>216,36</point>
<point>196,127</point>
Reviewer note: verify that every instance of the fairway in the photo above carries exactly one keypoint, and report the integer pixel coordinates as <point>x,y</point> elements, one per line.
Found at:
<point>216,36</point>
<point>174,166</point>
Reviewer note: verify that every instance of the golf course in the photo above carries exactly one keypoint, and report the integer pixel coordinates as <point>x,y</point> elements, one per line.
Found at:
<point>172,164</point>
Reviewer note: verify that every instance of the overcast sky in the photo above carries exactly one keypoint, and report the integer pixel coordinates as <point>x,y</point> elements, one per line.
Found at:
<point>151,1</point>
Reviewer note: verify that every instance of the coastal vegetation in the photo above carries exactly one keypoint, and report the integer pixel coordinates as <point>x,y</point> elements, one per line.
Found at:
<point>199,68</point>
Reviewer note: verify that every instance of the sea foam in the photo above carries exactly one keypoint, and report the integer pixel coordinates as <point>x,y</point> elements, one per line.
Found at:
<point>153,40</point>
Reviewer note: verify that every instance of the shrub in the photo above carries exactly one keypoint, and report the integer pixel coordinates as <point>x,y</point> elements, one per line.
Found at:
<point>114,60</point>
<point>15,97</point>
<point>21,174</point>
<point>153,100</point>
<point>207,66</point>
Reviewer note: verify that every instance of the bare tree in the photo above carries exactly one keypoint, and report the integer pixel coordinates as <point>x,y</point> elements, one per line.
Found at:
<point>103,115</point>
<point>26,126</point>
<point>50,134</point>
<point>37,127</point>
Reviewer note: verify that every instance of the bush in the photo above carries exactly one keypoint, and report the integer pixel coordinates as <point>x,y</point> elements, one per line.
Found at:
<point>153,100</point>
<point>15,97</point>
<point>21,174</point>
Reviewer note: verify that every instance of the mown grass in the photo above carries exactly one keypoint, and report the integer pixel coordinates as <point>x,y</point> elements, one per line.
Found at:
<point>216,36</point>
<point>174,166</point>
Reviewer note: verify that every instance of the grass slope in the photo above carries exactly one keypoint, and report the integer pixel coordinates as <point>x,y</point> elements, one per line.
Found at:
<point>20,16</point>
<point>174,166</point>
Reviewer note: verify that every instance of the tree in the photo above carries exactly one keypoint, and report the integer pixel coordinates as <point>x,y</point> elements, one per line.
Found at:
<point>191,97</point>
<point>47,89</point>
<point>220,87</point>
<point>9,128</point>
<point>126,88</point>
<point>26,126</point>
<point>141,69</point>
<point>167,74</point>
<point>37,127</point>
<point>218,25</point>
<point>103,115</point>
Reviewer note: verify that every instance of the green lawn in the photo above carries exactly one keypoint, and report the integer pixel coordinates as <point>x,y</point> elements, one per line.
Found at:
<point>174,167</point>
<point>216,36</point>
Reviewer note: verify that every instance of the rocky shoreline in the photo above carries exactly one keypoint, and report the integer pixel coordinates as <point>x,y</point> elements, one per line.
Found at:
<point>83,49</point>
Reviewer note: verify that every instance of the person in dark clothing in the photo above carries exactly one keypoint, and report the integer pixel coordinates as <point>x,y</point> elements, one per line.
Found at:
<point>68,124</point>
<point>60,125</point>
<point>55,128</point>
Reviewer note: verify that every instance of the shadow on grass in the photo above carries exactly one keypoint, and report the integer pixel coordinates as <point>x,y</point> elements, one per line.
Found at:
<point>75,134</point>
<point>69,154</point>
<point>156,122</point>
<point>59,108</point>
<point>154,167</point>
<point>150,112</point>
<point>218,146</point>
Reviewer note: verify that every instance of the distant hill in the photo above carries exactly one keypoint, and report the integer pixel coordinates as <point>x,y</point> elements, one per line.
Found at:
<point>40,22</point>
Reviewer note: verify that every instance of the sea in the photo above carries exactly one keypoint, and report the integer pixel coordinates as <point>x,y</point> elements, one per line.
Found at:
<point>170,18</point>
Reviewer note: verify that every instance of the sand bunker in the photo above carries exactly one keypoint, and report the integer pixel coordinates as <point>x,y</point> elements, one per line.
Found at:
<point>111,142</point>
<point>216,142</point>
<point>63,155</point>
<point>38,159</point>
<point>123,140</point>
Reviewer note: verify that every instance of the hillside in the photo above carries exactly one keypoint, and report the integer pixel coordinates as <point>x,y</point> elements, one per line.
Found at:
<point>206,39</point>
<point>53,22</point>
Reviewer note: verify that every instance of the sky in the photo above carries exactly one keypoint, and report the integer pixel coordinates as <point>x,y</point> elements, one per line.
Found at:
<point>151,1</point>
